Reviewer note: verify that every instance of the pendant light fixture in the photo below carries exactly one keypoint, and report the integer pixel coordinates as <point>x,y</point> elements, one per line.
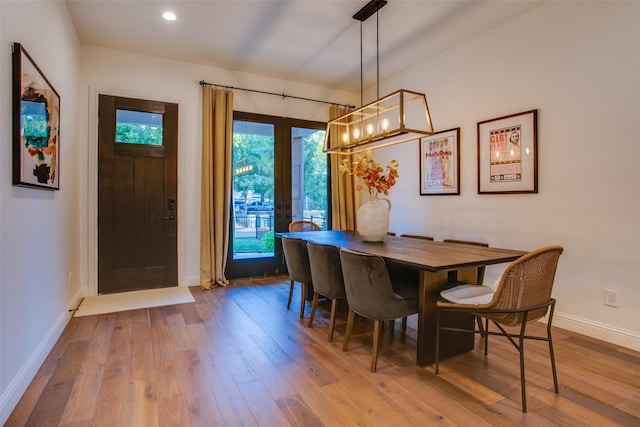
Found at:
<point>398,117</point>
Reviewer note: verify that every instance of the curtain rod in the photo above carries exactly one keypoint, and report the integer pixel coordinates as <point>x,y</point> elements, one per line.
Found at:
<point>283,95</point>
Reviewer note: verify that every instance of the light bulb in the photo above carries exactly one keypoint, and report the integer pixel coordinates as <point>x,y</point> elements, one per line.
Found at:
<point>169,16</point>
<point>370,129</point>
<point>345,137</point>
<point>385,124</point>
<point>356,133</point>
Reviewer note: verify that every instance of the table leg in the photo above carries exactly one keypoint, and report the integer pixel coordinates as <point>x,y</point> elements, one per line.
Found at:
<point>469,275</point>
<point>452,343</point>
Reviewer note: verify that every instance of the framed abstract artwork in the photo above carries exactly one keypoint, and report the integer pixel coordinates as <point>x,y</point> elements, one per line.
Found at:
<point>508,153</point>
<point>36,125</point>
<point>440,163</point>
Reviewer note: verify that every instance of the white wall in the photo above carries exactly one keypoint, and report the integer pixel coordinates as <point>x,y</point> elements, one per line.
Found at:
<point>578,64</point>
<point>118,73</point>
<point>39,244</point>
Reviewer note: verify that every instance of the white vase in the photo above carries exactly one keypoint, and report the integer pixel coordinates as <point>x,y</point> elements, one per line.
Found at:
<point>373,219</point>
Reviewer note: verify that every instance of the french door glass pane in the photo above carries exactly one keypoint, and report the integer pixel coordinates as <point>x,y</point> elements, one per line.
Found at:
<point>308,176</point>
<point>253,185</point>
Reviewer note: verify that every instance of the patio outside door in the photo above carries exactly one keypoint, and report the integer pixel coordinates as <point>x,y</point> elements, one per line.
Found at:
<point>280,175</point>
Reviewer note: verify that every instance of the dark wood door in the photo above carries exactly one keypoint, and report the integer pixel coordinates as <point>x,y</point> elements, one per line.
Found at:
<point>137,194</point>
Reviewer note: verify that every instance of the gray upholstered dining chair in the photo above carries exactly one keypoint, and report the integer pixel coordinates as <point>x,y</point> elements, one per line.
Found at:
<point>326,275</point>
<point>371,294</point>
<point>297,259</point>
<point>522,296</point>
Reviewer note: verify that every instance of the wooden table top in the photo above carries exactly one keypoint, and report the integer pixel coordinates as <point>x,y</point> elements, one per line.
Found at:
<point>418,253</point>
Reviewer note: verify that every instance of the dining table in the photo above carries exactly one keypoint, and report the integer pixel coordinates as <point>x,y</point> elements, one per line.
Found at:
<point>433,260</point>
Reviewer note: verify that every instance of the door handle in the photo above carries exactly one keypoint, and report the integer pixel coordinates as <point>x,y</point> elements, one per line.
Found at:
<point>169,217</point>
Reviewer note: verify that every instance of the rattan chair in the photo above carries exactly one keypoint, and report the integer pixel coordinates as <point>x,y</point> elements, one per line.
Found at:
<point>371,294</point>
<point>326,275</point>
<point>523,295</point>
<point>297,259</point>
<point>303,225</point>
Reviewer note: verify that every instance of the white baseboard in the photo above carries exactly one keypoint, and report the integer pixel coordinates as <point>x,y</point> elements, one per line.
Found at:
<point>12,394</point>
<point>608,333</point>
<point>190,281</point>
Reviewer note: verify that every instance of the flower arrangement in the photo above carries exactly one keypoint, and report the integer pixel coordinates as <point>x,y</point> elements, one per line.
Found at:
<point>375,178</point>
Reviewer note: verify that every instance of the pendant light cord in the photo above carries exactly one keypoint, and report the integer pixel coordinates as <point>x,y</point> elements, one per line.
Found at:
<point>361,73</point>
<point>377,61</point>
<point>377,55</point>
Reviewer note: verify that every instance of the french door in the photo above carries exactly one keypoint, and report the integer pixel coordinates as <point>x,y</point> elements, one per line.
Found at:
<point>280,175</point>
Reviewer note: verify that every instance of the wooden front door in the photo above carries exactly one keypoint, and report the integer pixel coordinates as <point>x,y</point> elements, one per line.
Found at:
<point>137,194</point>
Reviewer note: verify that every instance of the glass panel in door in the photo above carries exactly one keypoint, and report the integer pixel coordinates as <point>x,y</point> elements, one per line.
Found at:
<point>309,183</point>
<point>253,190</point>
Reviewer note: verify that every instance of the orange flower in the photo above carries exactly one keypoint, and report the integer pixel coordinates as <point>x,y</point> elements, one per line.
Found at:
<point>374,177</point>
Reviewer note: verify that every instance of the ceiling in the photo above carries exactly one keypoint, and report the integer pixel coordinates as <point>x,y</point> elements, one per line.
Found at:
<point>310,41</point>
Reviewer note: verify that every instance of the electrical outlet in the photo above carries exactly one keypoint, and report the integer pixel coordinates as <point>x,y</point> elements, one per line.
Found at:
<point>610,298</point>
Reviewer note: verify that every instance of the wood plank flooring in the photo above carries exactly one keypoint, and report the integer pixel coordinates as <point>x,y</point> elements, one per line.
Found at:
<point>238,357</point>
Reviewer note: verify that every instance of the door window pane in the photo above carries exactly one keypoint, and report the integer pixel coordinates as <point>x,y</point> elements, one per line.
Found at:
<point>308,176</point>
<point>253,190</point>
<point>138,127</point>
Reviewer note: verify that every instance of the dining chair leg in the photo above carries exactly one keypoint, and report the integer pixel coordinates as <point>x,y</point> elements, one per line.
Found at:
<point>376,343</point>
<point>332,319</point>
<point>486,336</point>
<point>404,324</point>
<point>551,354</point>
<point>436,368</point>
<point>522,377</point>
<point>480,325</point>
<point>290,295</point>
<point>303,294</point>
<point>347,334</point>
<point>314,305</point>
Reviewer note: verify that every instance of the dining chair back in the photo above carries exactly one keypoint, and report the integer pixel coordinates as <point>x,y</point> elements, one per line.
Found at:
<point>522,296</point>
<point>303,225</point>
<point>417,236</point>
<point>297,260</point>
<point>474,275</point>
<point>372,294</point>
<point>326,275</point>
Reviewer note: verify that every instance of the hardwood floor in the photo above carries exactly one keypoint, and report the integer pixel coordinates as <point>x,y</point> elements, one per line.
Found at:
<point>237,357</point>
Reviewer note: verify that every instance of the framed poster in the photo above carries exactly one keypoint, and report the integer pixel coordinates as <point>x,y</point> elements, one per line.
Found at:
<point>507,154</point>
<point>36,125</point>
<point>440,163</point>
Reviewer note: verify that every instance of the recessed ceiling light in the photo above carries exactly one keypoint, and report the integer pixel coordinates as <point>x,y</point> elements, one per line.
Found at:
<point>169,16</point>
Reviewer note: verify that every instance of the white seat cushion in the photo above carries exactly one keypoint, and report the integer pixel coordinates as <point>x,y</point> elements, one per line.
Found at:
<point>468,294</point>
